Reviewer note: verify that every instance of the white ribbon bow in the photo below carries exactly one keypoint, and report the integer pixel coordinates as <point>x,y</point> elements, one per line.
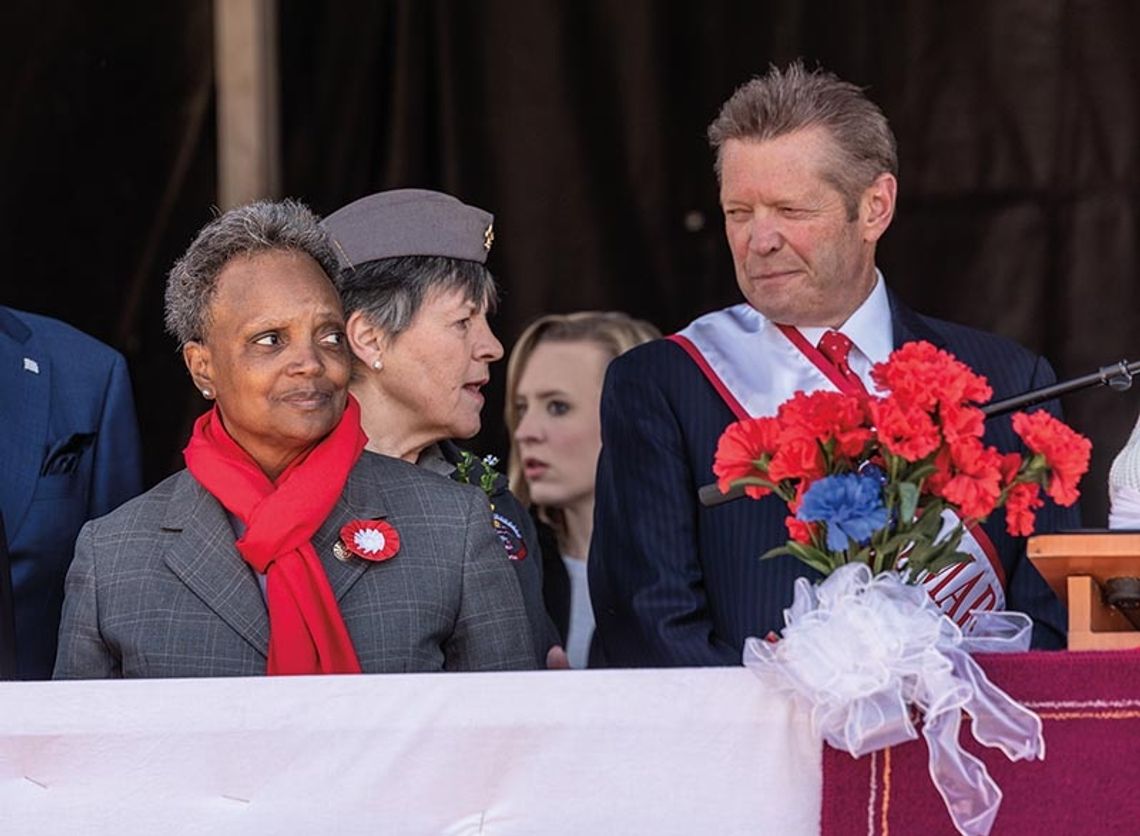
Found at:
<point>860,650</point>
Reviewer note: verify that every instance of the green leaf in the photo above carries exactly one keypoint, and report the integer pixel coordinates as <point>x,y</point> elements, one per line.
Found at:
<point>463,466</point>
<point>938,557</point>
<point>948,559</point>
<point>898,541</point>
<point>929,524</point>
<point>920,472</point>
<point>856,554</point>
<point>908,500</point>
<point>779,551</point>
<point>746,481</point>
<point>813,557</point>
<point>819,560</point>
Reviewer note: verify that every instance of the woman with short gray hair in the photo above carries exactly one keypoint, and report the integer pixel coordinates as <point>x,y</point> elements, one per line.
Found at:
<point>245,231</point>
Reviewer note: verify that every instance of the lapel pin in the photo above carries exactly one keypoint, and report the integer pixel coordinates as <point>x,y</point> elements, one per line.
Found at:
<point>373,540</point>
<point>31,365</point>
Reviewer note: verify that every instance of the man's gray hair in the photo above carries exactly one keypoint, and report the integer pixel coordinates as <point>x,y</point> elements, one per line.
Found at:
<point>795,99</point>
<point>390,291</point>
<point>264,226</point>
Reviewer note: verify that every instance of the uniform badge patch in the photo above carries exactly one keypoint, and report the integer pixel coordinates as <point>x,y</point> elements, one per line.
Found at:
<point>510,536</point>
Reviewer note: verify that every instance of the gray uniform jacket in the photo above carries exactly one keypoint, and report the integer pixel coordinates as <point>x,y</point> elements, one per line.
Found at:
<point>158,589</point>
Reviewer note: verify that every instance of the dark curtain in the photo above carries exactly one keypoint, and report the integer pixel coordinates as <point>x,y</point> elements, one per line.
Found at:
<point>581,126</point>
<point>107,149</point>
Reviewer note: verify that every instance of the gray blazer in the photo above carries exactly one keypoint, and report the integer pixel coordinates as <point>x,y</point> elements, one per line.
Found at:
<point>158,589</point>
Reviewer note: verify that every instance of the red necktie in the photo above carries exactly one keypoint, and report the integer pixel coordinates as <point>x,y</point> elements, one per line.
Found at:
<point>835,346</point>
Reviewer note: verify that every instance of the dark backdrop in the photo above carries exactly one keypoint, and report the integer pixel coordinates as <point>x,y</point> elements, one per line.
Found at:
<point>581,126</point>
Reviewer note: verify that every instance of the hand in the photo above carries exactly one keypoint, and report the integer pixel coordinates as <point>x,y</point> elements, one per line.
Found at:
<point>556,659</point>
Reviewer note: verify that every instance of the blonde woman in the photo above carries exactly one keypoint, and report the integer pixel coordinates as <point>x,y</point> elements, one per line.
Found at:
<point>554,387</point>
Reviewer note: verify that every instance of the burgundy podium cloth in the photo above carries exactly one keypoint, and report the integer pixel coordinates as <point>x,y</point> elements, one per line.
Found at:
<point>1089,781</point>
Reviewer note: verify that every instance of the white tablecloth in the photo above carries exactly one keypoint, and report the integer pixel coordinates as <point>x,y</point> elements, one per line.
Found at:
<point>688,751</point>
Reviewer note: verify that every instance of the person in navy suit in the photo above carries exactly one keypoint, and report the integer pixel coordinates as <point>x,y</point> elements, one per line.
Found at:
<point>7,620</point>
<point>69,452</point>
<point>807,170</point>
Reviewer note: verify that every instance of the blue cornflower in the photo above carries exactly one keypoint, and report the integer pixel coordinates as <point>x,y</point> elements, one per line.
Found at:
<point>851,505</point>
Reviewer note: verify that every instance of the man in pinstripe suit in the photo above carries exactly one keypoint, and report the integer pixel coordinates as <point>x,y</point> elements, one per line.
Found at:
<point>807,168</point>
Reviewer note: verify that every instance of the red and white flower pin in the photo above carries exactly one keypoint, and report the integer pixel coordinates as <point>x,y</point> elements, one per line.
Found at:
<point>373,540</point>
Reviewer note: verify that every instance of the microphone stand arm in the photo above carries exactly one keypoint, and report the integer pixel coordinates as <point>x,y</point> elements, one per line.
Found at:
<point>1118,376</point>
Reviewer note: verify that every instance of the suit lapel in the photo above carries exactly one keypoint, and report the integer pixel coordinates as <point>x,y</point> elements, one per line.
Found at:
<point>360,500</point>
<point>203,556</point>
<point>907,326</point>
<point>25,380</point>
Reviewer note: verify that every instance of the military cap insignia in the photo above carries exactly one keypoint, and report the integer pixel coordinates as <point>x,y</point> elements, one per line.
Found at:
<point>488,237</point>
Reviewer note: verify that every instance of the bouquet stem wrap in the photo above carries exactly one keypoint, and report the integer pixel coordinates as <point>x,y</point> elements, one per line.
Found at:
<point>861,650</point>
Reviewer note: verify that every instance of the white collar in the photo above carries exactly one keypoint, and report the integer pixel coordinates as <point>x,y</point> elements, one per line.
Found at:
<point>869,327</point>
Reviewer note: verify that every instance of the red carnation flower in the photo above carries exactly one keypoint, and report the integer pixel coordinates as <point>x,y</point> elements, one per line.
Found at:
<point>807,415</point>
<point>904,430</point>
<point>798,458</point>
<point>975,485</point>
<point>960,422</point>
<point>850,442</point>
<point>821,414</point>
<point>798,497</point>
<point>1020,507</point>
<point>1066,452</point>
<point>799,530</point>
<point>923,375</point>
<point>909,373</point>
<point>824,417</point>
<point>936,481</point>
<point>741,446</point>
<point>1010,467</point>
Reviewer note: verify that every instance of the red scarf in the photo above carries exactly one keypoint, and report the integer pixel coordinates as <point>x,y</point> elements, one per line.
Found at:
<point>306,630</point>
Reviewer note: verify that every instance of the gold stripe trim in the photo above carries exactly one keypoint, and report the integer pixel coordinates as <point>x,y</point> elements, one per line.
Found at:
<point>884,823</point>
<point>1090,715</point>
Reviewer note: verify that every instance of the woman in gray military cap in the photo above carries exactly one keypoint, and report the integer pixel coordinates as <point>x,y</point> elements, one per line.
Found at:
<point>416,294</point>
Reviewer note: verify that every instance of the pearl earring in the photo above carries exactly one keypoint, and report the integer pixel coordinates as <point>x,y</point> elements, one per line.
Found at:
<point>206,393</point>
<point>376,364</point>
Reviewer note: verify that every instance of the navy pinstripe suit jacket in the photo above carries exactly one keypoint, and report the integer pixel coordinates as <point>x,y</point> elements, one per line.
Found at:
<point>675,583</point>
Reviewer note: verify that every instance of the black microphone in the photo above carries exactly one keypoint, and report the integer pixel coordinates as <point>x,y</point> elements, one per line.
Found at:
<point>1118,377</point>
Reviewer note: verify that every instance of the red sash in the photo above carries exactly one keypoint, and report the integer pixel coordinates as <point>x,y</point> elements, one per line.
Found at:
<point>815,356</point>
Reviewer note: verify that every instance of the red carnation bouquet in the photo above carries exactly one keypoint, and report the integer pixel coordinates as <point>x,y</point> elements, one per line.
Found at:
<point>868,479</point>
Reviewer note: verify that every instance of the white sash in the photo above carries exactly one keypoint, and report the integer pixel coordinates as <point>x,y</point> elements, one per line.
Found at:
<point>755,368</point>
<point>751,358</point>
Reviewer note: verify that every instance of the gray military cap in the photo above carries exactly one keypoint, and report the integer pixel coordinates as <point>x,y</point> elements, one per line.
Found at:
<point>409,222</point>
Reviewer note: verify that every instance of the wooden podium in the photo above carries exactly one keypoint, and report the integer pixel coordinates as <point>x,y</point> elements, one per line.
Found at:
<point>1077,566</point>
